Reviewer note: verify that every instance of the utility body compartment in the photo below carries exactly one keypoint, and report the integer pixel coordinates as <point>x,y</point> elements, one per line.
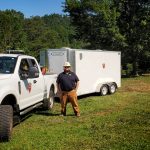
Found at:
<point>94,68</point>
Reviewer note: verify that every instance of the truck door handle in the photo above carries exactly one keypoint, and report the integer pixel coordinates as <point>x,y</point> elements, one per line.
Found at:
<point>34,81</point>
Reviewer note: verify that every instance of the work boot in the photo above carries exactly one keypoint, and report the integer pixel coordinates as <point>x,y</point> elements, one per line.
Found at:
<point>62,114</point>
<point>78,115</point>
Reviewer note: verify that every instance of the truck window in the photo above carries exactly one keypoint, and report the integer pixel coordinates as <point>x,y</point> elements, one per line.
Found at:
<point>24,66</point>
<point>24,69</point>
<point>33,63</point>
<point>34,67</point>
<point>7,64</point>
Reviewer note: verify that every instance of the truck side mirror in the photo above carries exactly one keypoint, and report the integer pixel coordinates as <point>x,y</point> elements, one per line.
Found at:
<point>33,72</point>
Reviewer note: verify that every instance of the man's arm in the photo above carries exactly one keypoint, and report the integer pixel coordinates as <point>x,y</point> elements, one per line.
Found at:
<point>77,85</point>
<point>58,87</point>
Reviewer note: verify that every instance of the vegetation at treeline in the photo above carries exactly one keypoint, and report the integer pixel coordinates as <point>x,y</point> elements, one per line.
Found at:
<point>120,25</point>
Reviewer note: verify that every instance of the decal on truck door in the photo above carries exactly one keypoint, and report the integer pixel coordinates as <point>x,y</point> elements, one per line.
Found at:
<point>29,86</point>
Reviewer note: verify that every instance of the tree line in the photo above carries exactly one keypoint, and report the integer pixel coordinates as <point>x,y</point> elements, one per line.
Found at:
<point>117,25</point>
<point>35,33</point>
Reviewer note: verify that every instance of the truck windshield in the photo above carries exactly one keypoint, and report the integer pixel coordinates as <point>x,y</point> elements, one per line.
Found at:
<point>7,64</point>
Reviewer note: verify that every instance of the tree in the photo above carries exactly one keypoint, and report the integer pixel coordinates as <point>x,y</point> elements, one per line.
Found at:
<point>34,28</point>
<point>49,31</point>
<point>60,25</point>
<point>95,22</point>
<point>12,35</point>
<point>134,24</point>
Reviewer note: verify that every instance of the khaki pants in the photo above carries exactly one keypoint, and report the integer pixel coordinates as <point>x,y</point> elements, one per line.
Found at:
<point>72,98</point>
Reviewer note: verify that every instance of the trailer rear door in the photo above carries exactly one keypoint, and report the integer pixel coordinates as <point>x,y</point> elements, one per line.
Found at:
<point>56,59</point>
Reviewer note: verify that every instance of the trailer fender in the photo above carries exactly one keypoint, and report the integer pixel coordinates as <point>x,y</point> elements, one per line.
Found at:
<point>99,83</point>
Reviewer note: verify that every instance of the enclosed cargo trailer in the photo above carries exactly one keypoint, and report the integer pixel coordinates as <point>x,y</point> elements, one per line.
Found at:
<point>98,71</point>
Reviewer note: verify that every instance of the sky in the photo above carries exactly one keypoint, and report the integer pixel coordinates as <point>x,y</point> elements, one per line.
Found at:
<point>33,7</point>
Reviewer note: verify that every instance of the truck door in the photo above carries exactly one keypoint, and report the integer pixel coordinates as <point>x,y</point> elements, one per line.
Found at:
<point>30,89</point>
<point>37,83</point>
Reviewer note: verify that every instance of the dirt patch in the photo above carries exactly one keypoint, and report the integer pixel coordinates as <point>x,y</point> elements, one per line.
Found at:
<point>117,108</point>
<point>136,87</point>
<point>105,112</point>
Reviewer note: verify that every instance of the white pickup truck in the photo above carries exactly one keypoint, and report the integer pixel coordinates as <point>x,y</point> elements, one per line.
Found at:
<point>23,87</point>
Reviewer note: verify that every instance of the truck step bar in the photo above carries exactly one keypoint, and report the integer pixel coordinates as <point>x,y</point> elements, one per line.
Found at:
<point>30,108</point>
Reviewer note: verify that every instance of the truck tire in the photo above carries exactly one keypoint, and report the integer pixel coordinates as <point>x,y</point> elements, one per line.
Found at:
<point>6,122</point>
<point>48,103</point>
<point>104,90</point>
<point>112,88</point>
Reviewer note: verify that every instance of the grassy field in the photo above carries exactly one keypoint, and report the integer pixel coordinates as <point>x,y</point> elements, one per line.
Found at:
<point>118,122</point>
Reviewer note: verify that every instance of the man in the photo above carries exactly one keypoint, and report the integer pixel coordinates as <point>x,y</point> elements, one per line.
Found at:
<point>24,69</point>
<point>67,84</point>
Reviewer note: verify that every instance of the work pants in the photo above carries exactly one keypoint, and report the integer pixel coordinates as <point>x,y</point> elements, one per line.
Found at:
<point>70,96</point>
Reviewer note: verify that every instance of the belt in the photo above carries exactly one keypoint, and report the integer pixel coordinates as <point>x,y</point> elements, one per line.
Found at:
<point>68,91</point>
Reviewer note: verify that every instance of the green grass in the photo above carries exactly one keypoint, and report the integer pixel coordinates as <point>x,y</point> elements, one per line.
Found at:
<point>118,122</point>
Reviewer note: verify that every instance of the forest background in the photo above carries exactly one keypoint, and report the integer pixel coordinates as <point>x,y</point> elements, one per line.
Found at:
<point>116,25</point>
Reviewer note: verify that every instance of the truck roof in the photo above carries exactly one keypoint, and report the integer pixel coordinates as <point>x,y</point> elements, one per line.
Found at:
<point>10,55</point>
<point>16,55</point>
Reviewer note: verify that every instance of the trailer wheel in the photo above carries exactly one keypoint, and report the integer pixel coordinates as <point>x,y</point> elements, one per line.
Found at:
<point>6,122</point>
<point>49,103</point>
<point>112,88</point>
<point>104,90</point>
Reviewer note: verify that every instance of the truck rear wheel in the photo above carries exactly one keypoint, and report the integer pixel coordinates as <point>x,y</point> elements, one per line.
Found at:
<point>6,122</point>
<point>48,103</point>
<point>104,90</point>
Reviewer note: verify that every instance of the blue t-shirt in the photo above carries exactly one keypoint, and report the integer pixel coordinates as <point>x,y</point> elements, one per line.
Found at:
<point>67,81</point>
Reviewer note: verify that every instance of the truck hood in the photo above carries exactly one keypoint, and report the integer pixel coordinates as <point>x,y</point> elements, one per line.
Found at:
<point>4,76</point>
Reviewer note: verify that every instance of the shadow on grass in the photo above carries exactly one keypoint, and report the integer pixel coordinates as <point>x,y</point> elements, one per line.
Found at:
<point>39,111</point>
<point>18,119</point>
<point>46,113</point>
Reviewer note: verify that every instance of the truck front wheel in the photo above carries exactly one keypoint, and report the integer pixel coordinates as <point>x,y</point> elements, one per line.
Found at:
<point>49,102</point>
<point>6,122</point>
